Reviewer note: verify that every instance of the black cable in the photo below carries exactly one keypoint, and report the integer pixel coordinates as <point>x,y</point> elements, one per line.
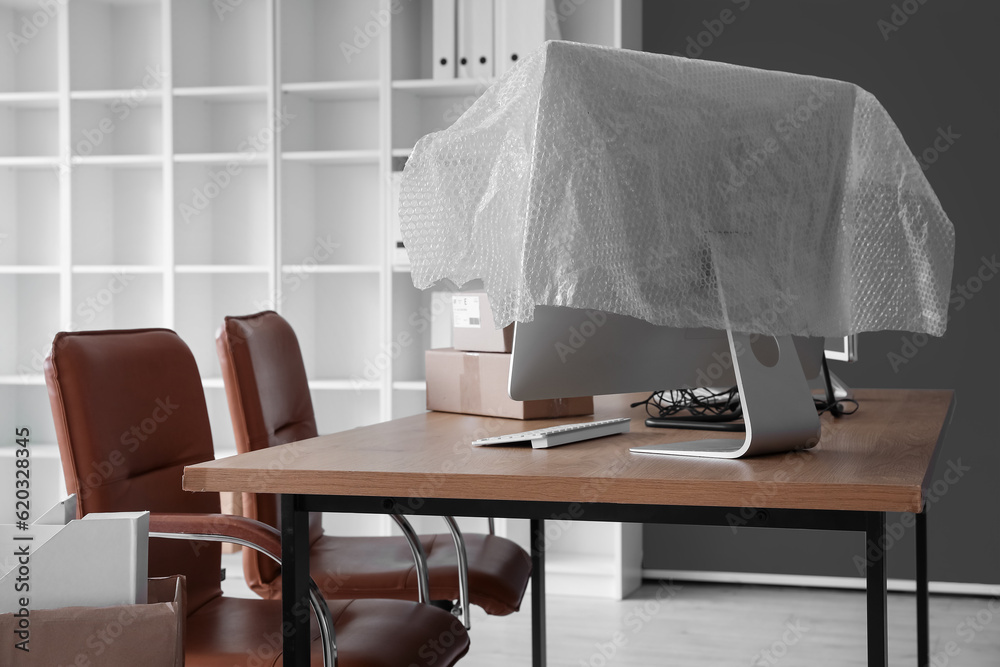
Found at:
<point>719,410</point>
<point>832,405</point>
<point>710,411</point>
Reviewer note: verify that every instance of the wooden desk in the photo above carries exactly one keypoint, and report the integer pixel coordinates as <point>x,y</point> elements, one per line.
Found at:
<point>876,461</point>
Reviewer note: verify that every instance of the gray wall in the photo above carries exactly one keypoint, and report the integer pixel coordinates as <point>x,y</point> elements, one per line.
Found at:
<point>937,72</point>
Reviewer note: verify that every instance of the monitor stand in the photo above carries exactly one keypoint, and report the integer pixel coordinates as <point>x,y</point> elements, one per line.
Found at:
<point>778,407</point>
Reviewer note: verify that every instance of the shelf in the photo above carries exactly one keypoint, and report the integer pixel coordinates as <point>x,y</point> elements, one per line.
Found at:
<point>411,40</point>
<point>334,90</point>
<point>329,124</point>
<point>222,43</point>
<point>251,157</point>
<point>335,317</point>
<point>117,268</point>
<point>221,125</point>
<point>421,320</point>
<point>136,160</point>
<point>29,309</point>
<point>332,157</point>
<point>117,216</point>
<point>130,98</point>
<point>253,93</point>
<point>331,268</point>
<point>442,87</point>
<point>580,564</point>
<point>37,162</point>
<point>416,385</point>
<point>100,128</point>
<point>201,301</point>
<point>116,45</point>
<point>408,402</point>
<point>416,112</point>
<point>29,131</point>
<point>332,41</point>
<point>339,410</point>
<point>221,218</point>
<point>222,269</point>
<point>330,215</point>
<point>29,219</point>
<point>344,385</point>
<point>30,100</point>
<point>29,406</point>
<point>117,300</point>
<point>26,380</point>
<point>30,62</point>
<point>39,449</point>
<point>27,270</point>
<point>223,439</point>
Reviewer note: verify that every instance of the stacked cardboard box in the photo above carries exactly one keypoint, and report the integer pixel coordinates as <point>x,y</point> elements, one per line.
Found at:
<point>471,377</point>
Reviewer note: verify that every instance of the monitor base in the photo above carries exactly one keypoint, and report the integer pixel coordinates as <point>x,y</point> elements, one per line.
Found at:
<point>778,407</point>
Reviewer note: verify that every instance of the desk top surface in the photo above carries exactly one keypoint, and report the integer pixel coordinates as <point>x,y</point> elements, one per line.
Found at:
<point>878,459</point>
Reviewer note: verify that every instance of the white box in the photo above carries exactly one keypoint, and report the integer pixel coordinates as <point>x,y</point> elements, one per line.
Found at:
<point>98,561</point>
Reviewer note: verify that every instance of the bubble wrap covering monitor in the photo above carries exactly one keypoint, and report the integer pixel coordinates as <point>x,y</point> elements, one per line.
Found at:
<point>681,192</point>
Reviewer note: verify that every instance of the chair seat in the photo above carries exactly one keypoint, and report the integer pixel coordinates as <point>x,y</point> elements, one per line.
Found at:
<point>382,567</point>
<point>369,633</point>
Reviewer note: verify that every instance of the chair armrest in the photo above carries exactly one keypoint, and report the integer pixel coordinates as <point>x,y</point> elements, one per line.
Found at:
<point>419,557</point>
<point>240,529</point>
<point>249,533</point>
<point>463,571</point>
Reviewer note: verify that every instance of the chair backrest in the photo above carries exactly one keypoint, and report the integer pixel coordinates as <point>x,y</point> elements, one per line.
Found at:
<point>130,413</point>
<point>269,403</point>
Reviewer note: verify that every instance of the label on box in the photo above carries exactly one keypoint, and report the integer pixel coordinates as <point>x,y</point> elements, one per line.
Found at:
<point>465,310</point>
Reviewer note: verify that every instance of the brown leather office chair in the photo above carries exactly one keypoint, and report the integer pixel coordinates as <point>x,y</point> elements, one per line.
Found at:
<point>270,405</point>
<point>130,413</point>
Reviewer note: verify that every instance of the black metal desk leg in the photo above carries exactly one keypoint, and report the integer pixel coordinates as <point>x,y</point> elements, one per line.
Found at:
<point>538,593</point>
<point>294,582</point>
<point>923,597</point>
<point>878,650</point>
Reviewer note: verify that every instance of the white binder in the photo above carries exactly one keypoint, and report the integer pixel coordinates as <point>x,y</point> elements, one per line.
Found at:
<point>475,39</point>
<point>443,39</point>
<point>521,27</point>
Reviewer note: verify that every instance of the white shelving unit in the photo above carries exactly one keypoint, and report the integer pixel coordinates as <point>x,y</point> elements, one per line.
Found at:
<point>169,162</point>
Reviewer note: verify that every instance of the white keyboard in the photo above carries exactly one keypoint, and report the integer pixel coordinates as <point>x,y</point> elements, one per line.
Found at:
<point>554,436</point>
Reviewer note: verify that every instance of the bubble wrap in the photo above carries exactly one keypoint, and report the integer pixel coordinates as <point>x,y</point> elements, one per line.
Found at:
<point>682,192</point>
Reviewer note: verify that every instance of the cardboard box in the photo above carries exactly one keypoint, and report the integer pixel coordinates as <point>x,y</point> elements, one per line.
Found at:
<point>473,328</point>
<point>150,634</point>
<point>97,561</point>
<point>475,383</point>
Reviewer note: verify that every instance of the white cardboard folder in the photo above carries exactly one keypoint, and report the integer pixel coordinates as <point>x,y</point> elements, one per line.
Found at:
<point>98,561</point>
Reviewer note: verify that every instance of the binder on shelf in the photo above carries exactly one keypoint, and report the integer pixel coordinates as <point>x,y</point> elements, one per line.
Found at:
<point>443,39</point>
<point>475,39</point>
<point>521,27</point>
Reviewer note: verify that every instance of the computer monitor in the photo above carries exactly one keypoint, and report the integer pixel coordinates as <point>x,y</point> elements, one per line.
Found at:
<point>568,352</point>
<point>844,348</point>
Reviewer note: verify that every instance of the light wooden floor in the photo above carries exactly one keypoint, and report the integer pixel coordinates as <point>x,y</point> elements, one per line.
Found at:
<point>710,624</point>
